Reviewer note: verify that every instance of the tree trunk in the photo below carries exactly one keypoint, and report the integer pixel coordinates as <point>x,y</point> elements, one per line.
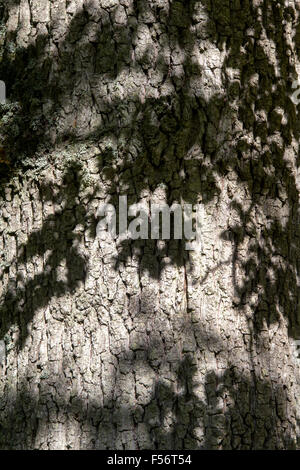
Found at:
<point>140,344</point>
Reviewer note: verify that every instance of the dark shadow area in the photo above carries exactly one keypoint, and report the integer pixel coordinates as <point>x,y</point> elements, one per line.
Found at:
<point>58,238</point>
<point>236,413</point>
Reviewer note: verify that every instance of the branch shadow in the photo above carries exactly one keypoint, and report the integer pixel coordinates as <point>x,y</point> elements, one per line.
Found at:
<point>58,242</point>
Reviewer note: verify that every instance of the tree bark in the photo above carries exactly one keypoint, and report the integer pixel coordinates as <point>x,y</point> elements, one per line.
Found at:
<point>141,344</point>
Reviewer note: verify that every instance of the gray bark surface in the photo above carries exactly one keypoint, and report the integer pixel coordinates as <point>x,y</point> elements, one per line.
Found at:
<point>141,344</point>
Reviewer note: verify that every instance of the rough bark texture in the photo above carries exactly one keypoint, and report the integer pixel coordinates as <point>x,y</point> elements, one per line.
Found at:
<point>141,344</point>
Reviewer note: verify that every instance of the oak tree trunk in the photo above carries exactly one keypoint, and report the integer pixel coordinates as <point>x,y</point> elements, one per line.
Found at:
<point>141,344</point>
